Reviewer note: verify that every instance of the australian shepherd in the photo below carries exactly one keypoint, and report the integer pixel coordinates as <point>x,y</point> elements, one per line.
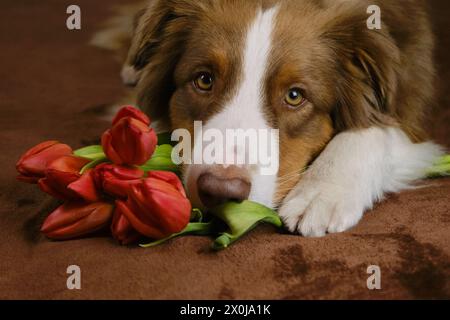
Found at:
<point>349,101</point>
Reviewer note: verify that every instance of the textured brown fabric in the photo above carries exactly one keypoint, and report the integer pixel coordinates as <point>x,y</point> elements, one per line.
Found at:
<point>54,86</point>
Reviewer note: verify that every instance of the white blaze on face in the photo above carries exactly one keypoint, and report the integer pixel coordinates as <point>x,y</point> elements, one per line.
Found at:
<point>245,109</point>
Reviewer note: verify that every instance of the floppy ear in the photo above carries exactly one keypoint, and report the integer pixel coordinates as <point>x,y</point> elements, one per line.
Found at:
<point>368,67</point>
<point>157,45</point>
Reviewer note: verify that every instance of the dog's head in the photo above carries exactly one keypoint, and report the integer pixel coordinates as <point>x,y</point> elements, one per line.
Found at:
<point>307,68</point>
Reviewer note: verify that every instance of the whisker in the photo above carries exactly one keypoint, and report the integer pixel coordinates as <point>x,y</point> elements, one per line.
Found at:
<point>290,176</point>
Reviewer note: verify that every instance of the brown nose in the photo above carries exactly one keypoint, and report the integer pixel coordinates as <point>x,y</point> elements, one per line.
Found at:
<point>215,189</point>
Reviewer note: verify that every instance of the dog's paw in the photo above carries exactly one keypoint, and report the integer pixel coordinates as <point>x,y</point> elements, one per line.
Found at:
<point>314,208</point>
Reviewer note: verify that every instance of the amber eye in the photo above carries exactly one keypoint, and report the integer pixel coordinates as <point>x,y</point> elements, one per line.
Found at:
<point>204,81</point>
<point>294,97</point>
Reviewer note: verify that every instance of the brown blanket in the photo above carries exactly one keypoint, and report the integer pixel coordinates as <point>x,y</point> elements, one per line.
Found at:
<point>55,86</point>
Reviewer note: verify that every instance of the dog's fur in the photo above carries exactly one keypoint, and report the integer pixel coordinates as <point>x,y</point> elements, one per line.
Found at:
<point>361,131</point>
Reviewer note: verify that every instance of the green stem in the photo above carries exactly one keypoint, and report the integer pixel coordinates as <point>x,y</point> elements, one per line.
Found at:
<point>196,215</point>
<point>195,228</point>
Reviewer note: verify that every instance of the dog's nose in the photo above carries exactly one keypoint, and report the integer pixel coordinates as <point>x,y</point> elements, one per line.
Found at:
<point>214,189</point>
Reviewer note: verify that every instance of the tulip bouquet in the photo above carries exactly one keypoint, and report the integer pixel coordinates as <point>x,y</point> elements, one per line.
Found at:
<point>130,185</point>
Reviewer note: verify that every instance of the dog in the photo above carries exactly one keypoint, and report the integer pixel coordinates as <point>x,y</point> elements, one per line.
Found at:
<point>350,103</point>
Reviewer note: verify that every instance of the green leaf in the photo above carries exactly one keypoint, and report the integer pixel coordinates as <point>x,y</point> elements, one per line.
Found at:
<point>161,160</point>
<point>240,219</point>
<point>164,150</point>
<point>91,152</point>
<point>441,168</point>
<point>443,160</point>
<point>160,164</point>
<point>193,228</point>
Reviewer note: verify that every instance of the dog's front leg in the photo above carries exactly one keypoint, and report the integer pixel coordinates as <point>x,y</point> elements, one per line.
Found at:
<point>353,172</point>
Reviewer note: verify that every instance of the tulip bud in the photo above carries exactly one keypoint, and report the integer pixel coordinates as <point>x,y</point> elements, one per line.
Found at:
<point>116,180</point>
<point>64,181</point>
<point>73,220</point>
<point>129,142</point>
<point>156,208</point>
<point>131,112</point>
<point>122,230</point>
<point>31,166</point>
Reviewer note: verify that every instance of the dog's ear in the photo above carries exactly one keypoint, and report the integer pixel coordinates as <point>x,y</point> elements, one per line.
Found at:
<point>158,42</point>
<point>367,69</point>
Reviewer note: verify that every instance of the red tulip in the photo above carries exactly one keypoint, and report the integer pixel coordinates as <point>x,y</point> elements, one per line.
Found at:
<point>31,166</point>
<point>64,181</point>
<point>156,208</point>
<point>129,142</point>
<point>116,180</point>
<point>122,230</point>
<point>132,112</point>
<point>72,220</point>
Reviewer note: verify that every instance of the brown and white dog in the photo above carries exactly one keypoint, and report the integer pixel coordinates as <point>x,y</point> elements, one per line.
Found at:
<point>349,102</point>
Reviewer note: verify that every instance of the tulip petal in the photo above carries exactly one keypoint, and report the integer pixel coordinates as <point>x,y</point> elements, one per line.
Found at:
<point>150,141</point>
<point>122,230</point>
<point>85,187</point>
<point>37,149</point>
<point>109,149</point>
<point>71,164</point>
<point>168,177</point>
<point>117,180</point>
<point>126,173</point>
<point>130,111</point>
<point>162,185</point>
<point>59,193</point>
<point>118,188</point>
<point>60,174</point>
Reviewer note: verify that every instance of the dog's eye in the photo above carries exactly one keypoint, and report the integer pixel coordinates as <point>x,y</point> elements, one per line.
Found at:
<point>204,81</point>
<point>294,97</point>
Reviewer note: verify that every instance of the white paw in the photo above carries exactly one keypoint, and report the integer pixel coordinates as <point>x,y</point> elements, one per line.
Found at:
<point>314,208</point>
